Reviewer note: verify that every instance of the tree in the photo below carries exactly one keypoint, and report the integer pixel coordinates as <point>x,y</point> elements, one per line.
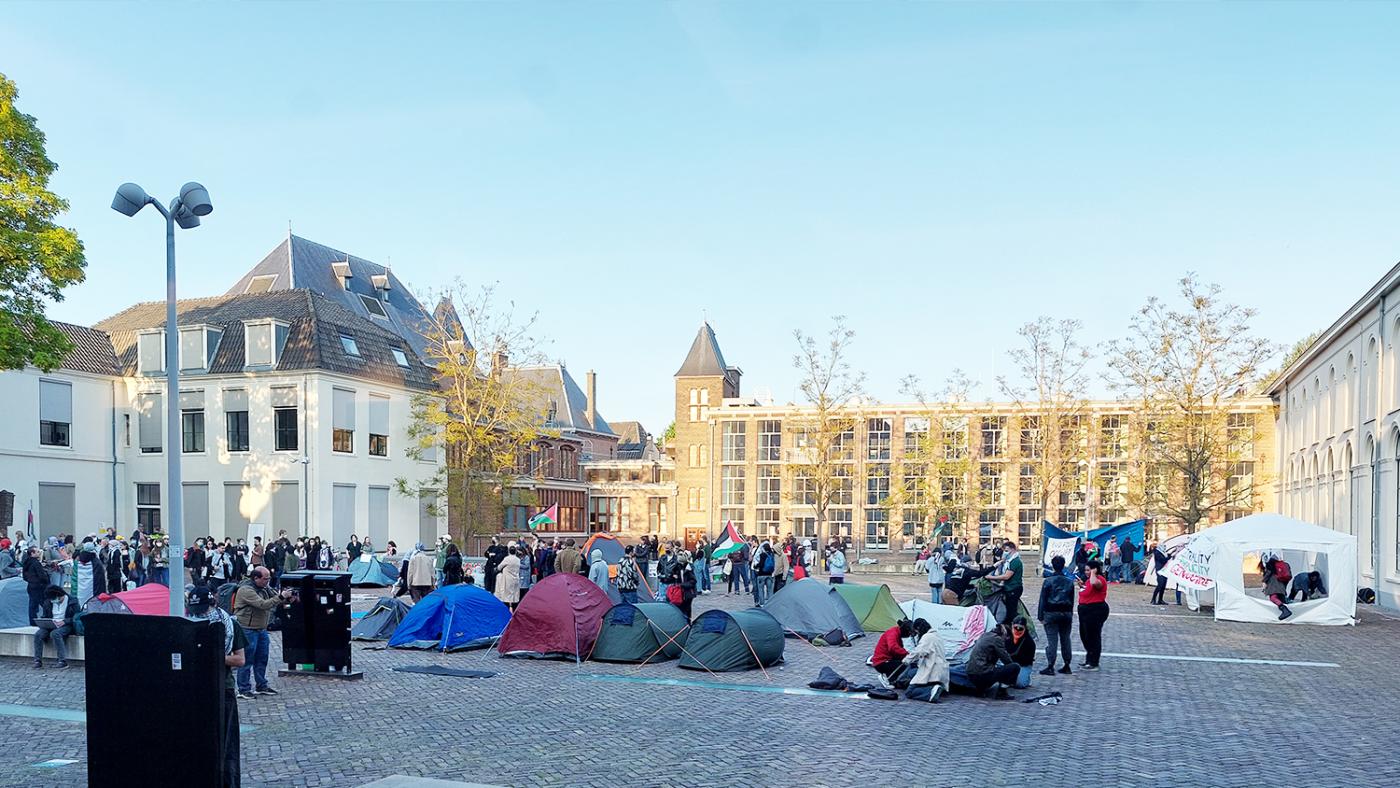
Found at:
<point>1049,397</point>
<point>942,478</point>
<point>823,432</point>
<point>1294,353</point>
<point>37,257</point>
<point>485,418</point>
<point>667,436</point>
<point>1183,368</point>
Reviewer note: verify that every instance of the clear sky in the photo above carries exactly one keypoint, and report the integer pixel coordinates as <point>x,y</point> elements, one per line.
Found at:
<point>939,173</point>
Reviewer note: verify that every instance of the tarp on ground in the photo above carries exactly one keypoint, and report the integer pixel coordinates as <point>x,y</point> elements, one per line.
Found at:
<point>810,609</point>
<point>368,570</point>
<point>874,606</point>
<point>559,618</point>
<point>381,621</point>
<point>14,603</point>
<point>720,640</point>
<point>646,632</point>
<point>958,627</point>
<point>1231,554</point>
<point>452,618</point>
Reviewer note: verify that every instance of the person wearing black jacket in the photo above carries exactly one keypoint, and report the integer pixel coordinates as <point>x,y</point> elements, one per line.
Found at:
<point>36,580</point>
<point>1021,646</point>
<point>990,664</point>
<point>452,566</point>
<point>1056,613</point>
<point>1159,561</point>
<point>55,623</point>
<point>1125,551</point>
<point>495,554</point>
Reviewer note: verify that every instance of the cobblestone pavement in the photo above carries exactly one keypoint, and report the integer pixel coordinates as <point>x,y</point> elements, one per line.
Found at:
<point>1138,722</point>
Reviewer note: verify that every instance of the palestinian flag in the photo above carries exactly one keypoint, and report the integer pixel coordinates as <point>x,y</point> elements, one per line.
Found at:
<point>549,516</point>
<point>730,542</point>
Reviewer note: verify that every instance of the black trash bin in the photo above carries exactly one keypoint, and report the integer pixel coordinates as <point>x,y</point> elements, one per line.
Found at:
<point>153,679</point>
<point>316,622</point>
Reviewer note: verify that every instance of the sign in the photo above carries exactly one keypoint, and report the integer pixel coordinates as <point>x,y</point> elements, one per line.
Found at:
<point>1190,568</point>
<point>1062,547</point>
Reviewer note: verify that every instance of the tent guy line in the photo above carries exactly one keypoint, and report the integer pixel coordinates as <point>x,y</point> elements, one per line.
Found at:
<point>721,686</point>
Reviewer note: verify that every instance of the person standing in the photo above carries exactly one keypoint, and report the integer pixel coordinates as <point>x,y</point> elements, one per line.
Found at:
<point>253,604</point>
<point>421,575</point>
<point>1056,613</point>
<point>598,570</point>
<point>219,567</point>
<point>508,579</point>
<point>1126,551</point>
<point>452,566</point>
<point>199,604</point>
<point>1011,580</point>
<point>440,558</point>
<point>1159,564</point>
<point>763,583</point>
<point>495,554</point>
<point>353,548</point>
<point>1093,613</point>
<point>527,568</point>
<point>836,565</point>
<point>936,576</point>
<point>702,566</point>
<point>1114,554</point>
<point>628,575</point>
<point>567,561</point>
<point>685,579</point>
<point>665,571</point>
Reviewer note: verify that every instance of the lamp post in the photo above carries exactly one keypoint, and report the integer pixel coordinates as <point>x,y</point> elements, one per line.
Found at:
<point>185,210</point>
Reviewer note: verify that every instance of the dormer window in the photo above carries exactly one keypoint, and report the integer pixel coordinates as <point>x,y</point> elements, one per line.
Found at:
<point>198,344</point>
<point>400,357</point>
<point>150,352</point>
<point>342,272</point>
<point>374,308</point>
<point>351,347</point>
<point>263,341</point>
<point>381,286</point>
<point>261,284</point>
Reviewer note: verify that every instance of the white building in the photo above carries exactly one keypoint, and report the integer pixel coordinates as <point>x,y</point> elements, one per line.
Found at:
<point>1338,434</point>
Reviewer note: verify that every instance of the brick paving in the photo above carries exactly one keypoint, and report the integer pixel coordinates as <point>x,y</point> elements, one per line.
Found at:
<point>544,723</point>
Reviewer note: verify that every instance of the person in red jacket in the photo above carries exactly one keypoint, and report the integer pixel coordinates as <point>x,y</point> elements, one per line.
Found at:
<point>890,651</point>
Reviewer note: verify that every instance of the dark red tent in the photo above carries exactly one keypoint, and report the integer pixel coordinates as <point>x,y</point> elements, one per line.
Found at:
<point>559,618</point>
<point>152,599</point>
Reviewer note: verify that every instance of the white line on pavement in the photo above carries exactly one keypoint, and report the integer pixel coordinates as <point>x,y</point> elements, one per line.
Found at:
<point>1226,660</point>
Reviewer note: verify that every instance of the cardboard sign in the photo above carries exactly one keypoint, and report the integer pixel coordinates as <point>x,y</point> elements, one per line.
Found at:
<point>1061,547</point>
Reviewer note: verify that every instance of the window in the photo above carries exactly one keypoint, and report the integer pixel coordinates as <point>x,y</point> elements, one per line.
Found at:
<point>1112,435</point>
<point>952,489</point>
<point>149,408</point>
<point>699,400</point>
<point>192,422</point>
<point>1071,435</point>
<point>877,439</point>
<point>735,516</point>
<point>954,438</point>
<point>993,491</point>
<point>1239,486</point>
<point>378,426</point>
<point>844,445</point>
<point>1239,433</point>
<point>607,514</point>
<point>877,485</point>
<point>732,485</point>
<point>400,357</point>
<point>735,435</point>
<point>55,412</point>
<point>236,419</point>
<point>568,463</point>
<point>913,526</point>
<point>1112,488</point>
<point>993,436</point>
<point>839,521</point>
<point>844,491</point>
<point>767,522</point>
<point>877,529</point>
<point>1028,490</point>
<point>286,428</point>
<point>915,436</point>
<point>348,344</point>
<point>915,485</point>
<point>770,485</point>
<point>260,284</point>
<point>343,421</point>
<point>148,507</point>
<point>989,522</point>
<point>804,527</point>
<point>263,341</point>
<point>1025,527</point>
<point>191,349</point>
<point>150,353</point>
<point>804,489</point>
<point>373,307</point>
<point>770,440</point>
<point>656,515</point>
<point>1031,443</point>
<point>695,499</point>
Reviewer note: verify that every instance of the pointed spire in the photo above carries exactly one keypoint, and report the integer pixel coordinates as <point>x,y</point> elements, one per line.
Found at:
<point>704,358</point>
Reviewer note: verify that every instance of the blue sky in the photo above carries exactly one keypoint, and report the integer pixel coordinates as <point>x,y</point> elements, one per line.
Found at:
<point>939,173</point>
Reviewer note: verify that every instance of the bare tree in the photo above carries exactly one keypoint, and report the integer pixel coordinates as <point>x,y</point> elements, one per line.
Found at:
<point>1052,409</point>
<point>484,419</point>
<point>941,469</point>
<point>823,432</point>
<point>1184,368</point>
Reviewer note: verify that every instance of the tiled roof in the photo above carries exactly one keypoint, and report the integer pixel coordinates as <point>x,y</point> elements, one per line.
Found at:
<point>704,358</point>
<point>628,431</point>
<point>557,392</point>
<point>313,341</point>
<point>92,350</point>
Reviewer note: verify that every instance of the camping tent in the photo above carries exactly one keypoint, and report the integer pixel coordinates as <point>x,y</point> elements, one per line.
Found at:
<point>874,606</point>
<point>741,640</point>
<point>151,599</point>
<point>14,603</point>
<point>560,617</point>
<point>648,632</point>
<point>381,620</point>
<point>612,551</point>
<point>810,608</point>
<point>958,627</point>
<point>452,618</point>
<point>368,570</point>
<point>1227,552</point>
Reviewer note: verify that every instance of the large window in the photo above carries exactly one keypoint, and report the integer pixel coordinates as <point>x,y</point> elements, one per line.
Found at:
<point>770,485</point>
<point>1112,489</point>
<point>735,437</point>
<point>699,404</point>
<point>656,515</point>
<point>913,526</point>
<point>877,484</point>
<point>954,438</point>
<point>1026,527</point>
<point>844,486</point>
<point>804,489</point>
<point>915,485</point>
<point>236,419</point>
<point>767,521</point>
<point>1240,434</point>
<point>877,529</point>
<point>192,422</point>
<point>1028,490</point>
<point>378,426</point>
<point>989,523</point>
<point>839,522</point>
<point>877,439</point>
<point>1239,486</point>
<point>608,514</point>
<point>55,412</point>
<point>915,436</point>
<point>343,421</point>
<point>735,515</point>
<point>993,491</point>
<point>1113,434</point>
<point>770,440</point>
<point>732,485</point>
<point>148,407</point>
<point>150,353</point>
<point>993,436</point>
<point>1031,443</point>
<point>148,507</point>
<point>804,527</point>
<point>843,447</point>
<point>284,413</point>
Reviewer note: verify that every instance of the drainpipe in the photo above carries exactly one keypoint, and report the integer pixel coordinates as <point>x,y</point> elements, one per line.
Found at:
<point>116,525</point>
<point>305,450</point>
<point>1376,456</point>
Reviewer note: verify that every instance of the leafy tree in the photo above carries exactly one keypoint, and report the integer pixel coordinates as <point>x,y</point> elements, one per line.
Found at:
<point>38,258</point>
<point>941,469</point>
<point>667,436</point>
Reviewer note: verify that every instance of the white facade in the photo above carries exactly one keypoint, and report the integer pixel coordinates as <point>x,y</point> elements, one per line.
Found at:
<point>1338,434</point>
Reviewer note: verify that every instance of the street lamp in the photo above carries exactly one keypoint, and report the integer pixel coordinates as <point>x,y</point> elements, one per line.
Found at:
<point>185,210</point>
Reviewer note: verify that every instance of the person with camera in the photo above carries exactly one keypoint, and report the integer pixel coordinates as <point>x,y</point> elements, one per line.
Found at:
<point>253,605</point>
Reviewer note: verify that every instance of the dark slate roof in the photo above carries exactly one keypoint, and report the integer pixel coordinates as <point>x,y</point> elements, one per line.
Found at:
<point>92,350</point>
<point>555,386</point>
<point>628,431</point>
<point>313,339</point>
<point>704,357</point>
<point>301,264</point>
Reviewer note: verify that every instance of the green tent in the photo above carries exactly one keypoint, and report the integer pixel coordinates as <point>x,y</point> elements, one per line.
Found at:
<point>644,632</point>
<point>873,605</point>
<point>741,640</point>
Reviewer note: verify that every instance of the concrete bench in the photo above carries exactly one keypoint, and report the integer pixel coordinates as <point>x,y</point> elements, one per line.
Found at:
<point>19,642</point>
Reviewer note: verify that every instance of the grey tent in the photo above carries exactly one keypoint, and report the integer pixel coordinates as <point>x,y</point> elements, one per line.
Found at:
<point>381,620</point>
<point>812,609</point>
<point>743,640</point>
<point>14,603</point>
<point>644,632</point>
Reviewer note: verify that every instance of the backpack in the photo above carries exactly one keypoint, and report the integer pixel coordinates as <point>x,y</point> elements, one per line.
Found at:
<point>225,596</point>
<point>1282,570</point>
<point>1366,596</point>
<point>673,594</point>
<point>767,565</point>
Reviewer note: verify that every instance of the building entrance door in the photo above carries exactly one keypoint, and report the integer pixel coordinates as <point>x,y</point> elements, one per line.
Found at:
<point>692,535</point>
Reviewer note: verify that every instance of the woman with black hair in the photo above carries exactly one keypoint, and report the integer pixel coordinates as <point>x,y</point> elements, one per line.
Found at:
<point>890,651</point>
<point>452,566</point>
<point>1093,612</point>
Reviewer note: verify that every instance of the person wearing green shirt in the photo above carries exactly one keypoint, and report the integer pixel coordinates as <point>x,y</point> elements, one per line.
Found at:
<point>1010,579</point>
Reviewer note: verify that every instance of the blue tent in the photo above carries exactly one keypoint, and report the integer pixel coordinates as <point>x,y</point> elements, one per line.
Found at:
<point>372,572</point>
<point>452,618</point>
<point>1135,530</point>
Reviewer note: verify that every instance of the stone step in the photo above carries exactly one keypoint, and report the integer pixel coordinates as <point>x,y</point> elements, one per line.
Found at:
<point>19,642</point>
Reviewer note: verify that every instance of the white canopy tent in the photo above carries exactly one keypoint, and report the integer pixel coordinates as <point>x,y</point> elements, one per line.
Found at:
<point>1233,551</point>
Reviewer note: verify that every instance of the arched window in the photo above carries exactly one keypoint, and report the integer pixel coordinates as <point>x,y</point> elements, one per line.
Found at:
<point>1349,393</point>
<point>1370,381</point>
<point>1330,423</point>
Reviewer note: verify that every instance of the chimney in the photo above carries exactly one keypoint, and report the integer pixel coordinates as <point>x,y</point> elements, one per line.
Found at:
<point>592,398</point>
<point>499,362</point>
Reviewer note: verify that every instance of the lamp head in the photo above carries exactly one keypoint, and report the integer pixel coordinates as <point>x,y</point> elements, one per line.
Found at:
<point>129,199</point>
<point>186,219</point>
<point>196,198</point>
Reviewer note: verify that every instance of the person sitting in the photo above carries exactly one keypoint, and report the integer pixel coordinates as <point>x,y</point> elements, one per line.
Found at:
<point>930,663</point>
<point>1021,646</point>
<point>890,652</point>
<point>1276,573</point>
<point>989,665</point>
<point>55,624</point>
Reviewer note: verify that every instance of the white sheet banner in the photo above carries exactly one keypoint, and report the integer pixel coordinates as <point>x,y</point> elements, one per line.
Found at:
<point>1062,547</point>
<point>1190,568</point>
<point>959,627</point>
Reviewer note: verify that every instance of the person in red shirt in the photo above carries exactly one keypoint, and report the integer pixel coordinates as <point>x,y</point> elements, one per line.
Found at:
<point>1093,612</point>
<point>890,651</point>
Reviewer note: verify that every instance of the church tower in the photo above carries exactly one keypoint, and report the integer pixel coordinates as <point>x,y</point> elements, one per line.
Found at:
<point>703,382</point>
